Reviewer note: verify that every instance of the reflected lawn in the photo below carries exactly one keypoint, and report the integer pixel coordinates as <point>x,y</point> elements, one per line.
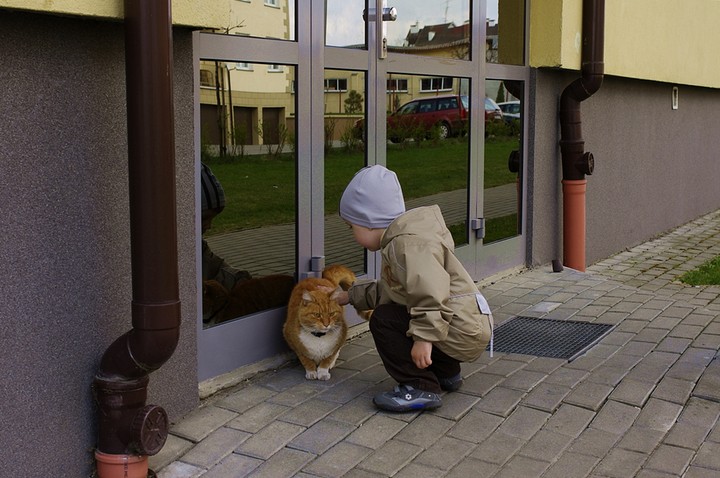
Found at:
<point>261,190</point>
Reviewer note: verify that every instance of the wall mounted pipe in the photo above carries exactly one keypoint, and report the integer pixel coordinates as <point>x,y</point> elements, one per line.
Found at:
<point>576,163</point>
<point>126,425</point>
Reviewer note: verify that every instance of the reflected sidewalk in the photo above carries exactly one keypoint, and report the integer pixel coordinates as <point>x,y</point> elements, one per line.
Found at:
<point>273,248</point>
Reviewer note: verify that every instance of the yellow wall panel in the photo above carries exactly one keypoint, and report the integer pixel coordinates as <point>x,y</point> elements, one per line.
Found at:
<point>671,41</point>
<point>198,13</point>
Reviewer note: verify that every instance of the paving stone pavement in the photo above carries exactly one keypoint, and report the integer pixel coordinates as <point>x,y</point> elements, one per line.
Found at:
<point>644,401</point>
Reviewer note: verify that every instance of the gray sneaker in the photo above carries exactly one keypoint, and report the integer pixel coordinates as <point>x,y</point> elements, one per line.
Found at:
<point>404,398</point>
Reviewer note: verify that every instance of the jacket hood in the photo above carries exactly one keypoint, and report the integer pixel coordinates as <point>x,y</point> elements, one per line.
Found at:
<point>424,222</point>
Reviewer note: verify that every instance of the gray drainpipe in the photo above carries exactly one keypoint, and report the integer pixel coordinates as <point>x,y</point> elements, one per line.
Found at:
<point>126,425</point>
<point>576,163</point>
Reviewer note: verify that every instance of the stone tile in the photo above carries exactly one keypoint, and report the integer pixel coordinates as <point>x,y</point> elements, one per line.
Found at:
<point>498,448</point>
<point>233,466</point>
<point>698,472</point>
<point>620,463</point>
<point>694,423</point>
<point>201,422</point>
<point>615,417</point>
<point>338,460</point>
<point>708,456</point>
<point>215,447</point>
<point>390,458</point>
<point>284,464</point>
<point>350,389</point>
<point>178,469</point>
<point>355,411</point>
<point>472,467</point>
<point>588,395</point>
<point>594,442</point>
<point>269,440</point>
<point>258,417</point>
<point>376,431</point>
<point>569,420</point>
<point>524,422</point>
<point>566,377</point>
<point>673,390</point>
<point>296,394</point>
<point>424,430</point>
<point>545,365</point>
<point>481,383</point>
<point>245,398</point>
<point>571,464</point>
<point>476,426</point>
<point>608,375</point>
<point>523,380</point>
<point>653,335</point>
<point>415,470</point>
<point>456,405</point>
<point>504,367</point>
<point>708,387</point>
<point>632,392</point>
<point>445,453</point>
<point>546,446</point>
<point>321,436</point>
<point>522,466</point>
<point>641,439</point>
<point>658,415</point>
<point>500,401</point>
<point>173,449</point>
<point>308,413</point>
<point>546,397</point>
<point>670,459</point>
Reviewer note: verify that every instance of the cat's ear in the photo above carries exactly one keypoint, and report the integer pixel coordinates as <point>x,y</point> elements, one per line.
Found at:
<point>306,296</point>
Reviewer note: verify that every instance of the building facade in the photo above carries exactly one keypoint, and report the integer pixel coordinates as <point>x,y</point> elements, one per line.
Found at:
<point>283,72</point>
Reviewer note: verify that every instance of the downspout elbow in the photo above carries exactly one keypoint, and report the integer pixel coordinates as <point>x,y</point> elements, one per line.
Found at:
<point>146,347</point>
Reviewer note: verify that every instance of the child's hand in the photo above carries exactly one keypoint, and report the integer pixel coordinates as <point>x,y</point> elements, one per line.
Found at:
<point>420,353</point>
<point>342,298</point>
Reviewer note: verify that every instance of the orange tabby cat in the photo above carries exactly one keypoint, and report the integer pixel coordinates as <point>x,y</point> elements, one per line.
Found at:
<point>315,327</point>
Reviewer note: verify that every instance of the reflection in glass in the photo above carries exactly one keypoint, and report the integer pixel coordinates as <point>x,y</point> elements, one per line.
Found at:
<point>247,120</point>
<point>503,159</point>
<point>505,32</point>
<point>260,18</point>
<point>344,156</point>
<point>428,144</point>
<point>429,27</point>
<point>344,25</point>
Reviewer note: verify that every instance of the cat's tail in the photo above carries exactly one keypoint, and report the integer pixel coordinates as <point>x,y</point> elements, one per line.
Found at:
<point>339,275</point>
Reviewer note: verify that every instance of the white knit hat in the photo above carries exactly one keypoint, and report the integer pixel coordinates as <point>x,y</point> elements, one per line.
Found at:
<point>373,198</point>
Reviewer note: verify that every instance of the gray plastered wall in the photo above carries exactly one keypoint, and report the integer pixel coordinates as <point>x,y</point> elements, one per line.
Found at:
<point>655,168</point>
<point>65,249</point>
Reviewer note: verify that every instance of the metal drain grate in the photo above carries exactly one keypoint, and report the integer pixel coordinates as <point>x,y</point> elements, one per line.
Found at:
<point>566,339</point>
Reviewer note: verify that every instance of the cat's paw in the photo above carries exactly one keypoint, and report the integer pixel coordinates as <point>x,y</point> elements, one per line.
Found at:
<point>323,374</point>
<point>311,375</point>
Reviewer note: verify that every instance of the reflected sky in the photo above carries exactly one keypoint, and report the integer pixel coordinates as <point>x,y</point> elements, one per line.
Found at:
<point>345,28</point>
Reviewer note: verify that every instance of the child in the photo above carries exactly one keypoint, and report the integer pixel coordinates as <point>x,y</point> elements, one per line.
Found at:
<point>427,317</point>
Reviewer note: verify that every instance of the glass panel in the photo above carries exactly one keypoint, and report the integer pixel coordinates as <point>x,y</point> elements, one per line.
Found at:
<point>260,18</point>
<point>429,146</point>
<point>344,25</point>
<point>505,32</point>
<point>344,156</point>
<point>503,159</point>
<point>247,136</point>
<point>429,27</point>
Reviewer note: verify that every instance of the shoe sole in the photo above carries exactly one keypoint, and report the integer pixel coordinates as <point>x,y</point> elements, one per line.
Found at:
<point>407,408</point>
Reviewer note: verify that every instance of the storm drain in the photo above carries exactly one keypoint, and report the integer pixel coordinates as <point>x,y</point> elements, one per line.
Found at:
<point>565,339</point>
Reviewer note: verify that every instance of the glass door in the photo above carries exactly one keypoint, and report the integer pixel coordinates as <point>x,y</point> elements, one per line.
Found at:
<point>293,99</point>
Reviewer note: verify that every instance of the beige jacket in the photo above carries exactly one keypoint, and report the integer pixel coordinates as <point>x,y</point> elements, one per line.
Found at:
<point>420,271</point>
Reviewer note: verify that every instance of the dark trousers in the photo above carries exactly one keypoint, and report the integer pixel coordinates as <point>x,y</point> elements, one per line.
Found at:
<point>389,324</point>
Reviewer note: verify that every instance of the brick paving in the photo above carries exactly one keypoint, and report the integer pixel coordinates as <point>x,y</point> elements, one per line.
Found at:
<point>644,401</point>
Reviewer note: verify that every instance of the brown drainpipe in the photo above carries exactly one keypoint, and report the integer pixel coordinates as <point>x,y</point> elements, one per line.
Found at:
<point>575,162</point>
<point>126,425</point>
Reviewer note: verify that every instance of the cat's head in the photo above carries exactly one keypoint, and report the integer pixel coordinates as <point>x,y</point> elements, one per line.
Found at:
<point>319,310</point>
